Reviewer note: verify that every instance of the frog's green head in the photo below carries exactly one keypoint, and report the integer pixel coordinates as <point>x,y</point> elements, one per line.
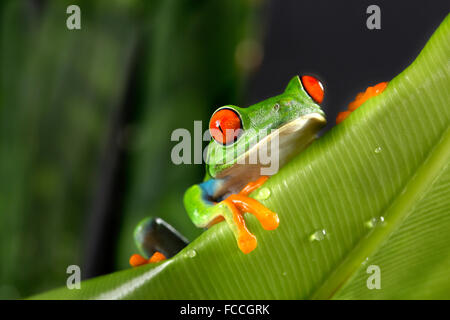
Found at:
<point>240,133</point>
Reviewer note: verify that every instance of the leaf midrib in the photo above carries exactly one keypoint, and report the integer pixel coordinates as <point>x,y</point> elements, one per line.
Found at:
<point>397,211</point>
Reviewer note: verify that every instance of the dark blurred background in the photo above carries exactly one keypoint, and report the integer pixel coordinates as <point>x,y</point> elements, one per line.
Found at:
<point>86,115</point>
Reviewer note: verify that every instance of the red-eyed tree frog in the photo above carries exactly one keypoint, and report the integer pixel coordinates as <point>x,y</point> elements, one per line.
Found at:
<point>239,135</point>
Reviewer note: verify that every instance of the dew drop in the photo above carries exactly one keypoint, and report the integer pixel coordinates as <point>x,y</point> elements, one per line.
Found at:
<point>263,194</point>
<point>378,150</point>
<point>366,260</point>
<point>284,274</point>
<point>191,253</point>
<point>319,235</point>
<point>373,222</point>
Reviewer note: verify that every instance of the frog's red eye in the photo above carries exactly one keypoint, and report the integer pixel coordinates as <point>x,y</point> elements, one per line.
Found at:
<point>225,126</point>
<point>313,87</point>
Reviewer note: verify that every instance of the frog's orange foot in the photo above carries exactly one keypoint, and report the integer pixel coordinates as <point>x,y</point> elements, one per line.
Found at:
<point>360,99</point>
<point>241,203</point>
<point>138,260</point>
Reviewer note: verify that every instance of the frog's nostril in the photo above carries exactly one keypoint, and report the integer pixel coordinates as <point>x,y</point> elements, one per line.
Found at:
<point>276,107</point>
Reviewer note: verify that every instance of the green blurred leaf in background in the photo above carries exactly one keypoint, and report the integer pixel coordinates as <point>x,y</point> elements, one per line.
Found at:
<point>59,92</point>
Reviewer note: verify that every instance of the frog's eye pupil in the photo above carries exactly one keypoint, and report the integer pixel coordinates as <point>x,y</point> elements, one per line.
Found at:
<point>314,88</point>
<point>225,126</point>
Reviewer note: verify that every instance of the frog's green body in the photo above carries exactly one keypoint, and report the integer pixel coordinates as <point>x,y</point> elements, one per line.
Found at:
<point>293,116</point>
<point>277,128</point>
<point>284,124</point>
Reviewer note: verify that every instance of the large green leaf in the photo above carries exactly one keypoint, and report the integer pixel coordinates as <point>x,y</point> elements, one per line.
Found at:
<point>388,161</point>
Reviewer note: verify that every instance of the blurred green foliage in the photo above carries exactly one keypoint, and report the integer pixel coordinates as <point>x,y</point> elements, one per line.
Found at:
<point>166,63</point>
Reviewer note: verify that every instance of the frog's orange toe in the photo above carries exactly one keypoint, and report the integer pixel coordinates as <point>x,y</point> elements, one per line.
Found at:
<point>157,257</point>
<point>247,243</point>
<point>137,260</point>
<point>270,221</point>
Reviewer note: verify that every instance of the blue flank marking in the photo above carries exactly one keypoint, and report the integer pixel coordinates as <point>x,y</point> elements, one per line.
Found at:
<point>209,188</point>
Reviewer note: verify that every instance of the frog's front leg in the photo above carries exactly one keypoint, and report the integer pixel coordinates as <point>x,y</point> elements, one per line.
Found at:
<point>205,212</point>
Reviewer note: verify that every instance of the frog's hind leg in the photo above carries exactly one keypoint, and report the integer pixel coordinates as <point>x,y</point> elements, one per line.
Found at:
<point>360,99</point>
<point>138,260</point>
<point>156,239</point>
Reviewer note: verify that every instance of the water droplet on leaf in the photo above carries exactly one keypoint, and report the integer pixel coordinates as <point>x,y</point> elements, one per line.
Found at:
<point>378,150</point>
<point>263,194</point>
<point>319,235</point>
<point>191,253</point>
<point>376,221</point>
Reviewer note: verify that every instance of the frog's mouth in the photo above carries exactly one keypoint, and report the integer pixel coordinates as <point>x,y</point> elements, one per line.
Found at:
<point>271,153</point>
